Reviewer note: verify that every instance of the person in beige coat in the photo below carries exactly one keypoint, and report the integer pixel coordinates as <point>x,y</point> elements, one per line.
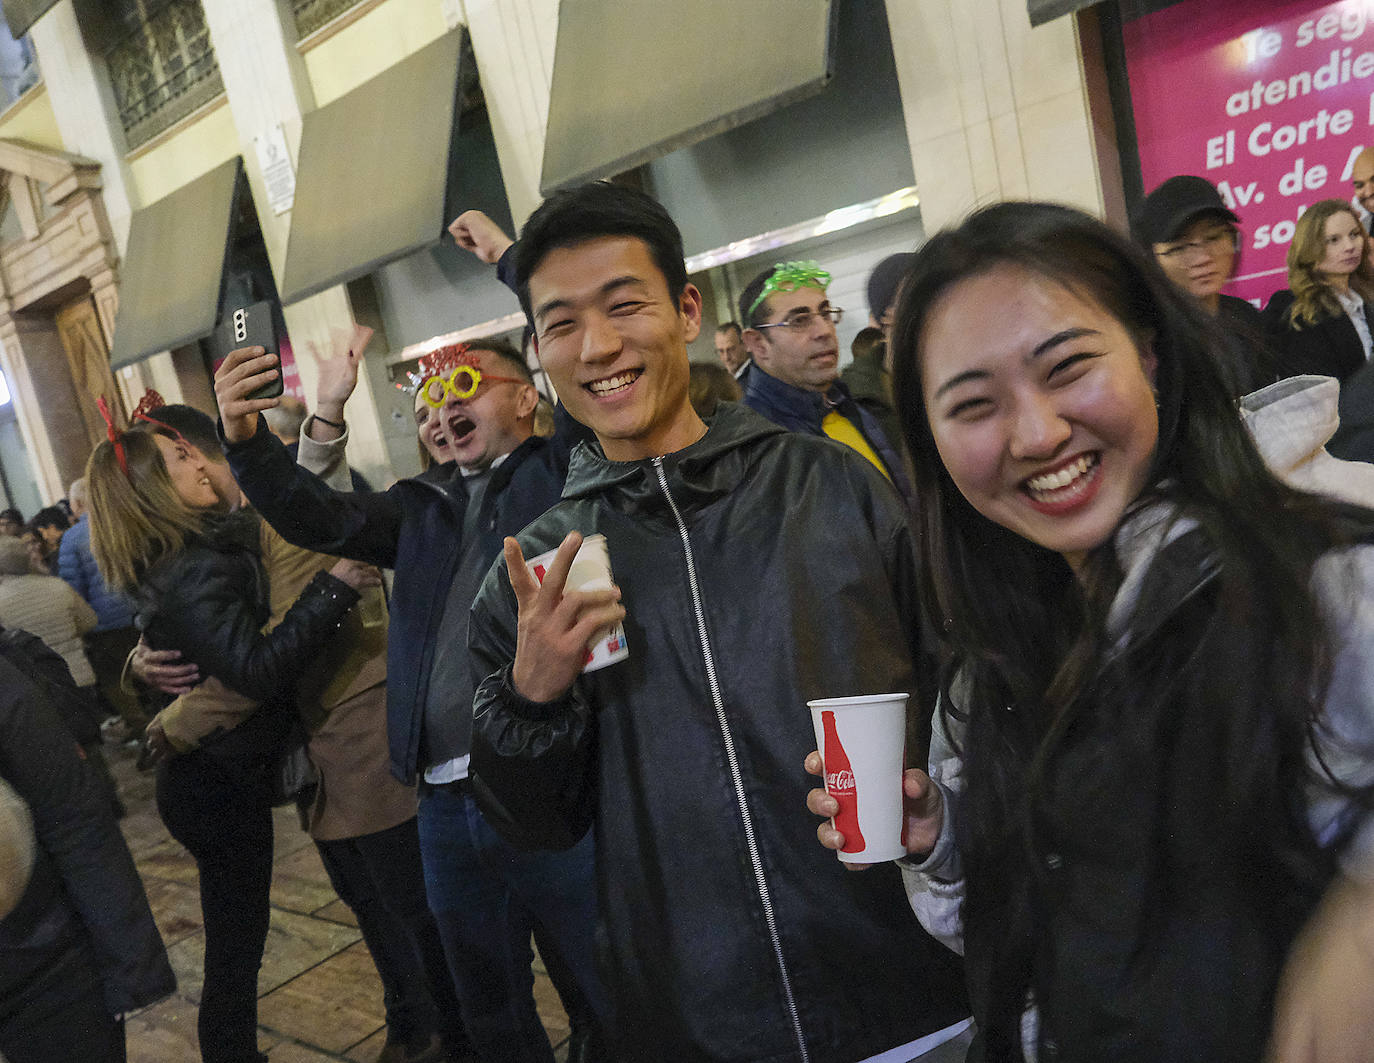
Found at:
<point>45,606</point>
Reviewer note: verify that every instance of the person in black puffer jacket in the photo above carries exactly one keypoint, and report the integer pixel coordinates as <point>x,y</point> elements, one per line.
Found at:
<point>160,531</point>
<point>79,948</point>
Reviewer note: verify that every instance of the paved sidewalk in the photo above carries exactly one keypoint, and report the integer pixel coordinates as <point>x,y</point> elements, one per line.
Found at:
<point>319,995</point>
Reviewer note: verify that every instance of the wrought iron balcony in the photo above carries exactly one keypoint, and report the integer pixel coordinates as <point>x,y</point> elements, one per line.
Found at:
<point>312,14</point>
<point>164,68</point>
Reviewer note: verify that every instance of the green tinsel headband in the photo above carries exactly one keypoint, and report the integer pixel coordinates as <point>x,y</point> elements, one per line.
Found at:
<point>788,277</point>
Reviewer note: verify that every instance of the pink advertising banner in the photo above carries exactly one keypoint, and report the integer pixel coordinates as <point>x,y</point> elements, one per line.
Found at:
<point>1270,100</point>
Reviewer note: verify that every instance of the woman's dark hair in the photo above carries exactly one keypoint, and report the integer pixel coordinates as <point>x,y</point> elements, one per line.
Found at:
<point>195,426</point>
<point>593,210</point>
<point>50,517</point>
<point>708,385</point>
<point>1028,641</point>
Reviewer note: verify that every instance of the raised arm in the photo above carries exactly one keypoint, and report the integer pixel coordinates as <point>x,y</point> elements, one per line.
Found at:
<point>474,231</point>
<point>304,511</point>
<point>324,439</point>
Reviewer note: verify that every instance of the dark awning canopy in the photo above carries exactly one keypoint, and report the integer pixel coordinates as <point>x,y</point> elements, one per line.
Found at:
<point>373,172</point>
<point>174,265</point>
<point>21,14</point>
<point>1042,11</point>
<point>634,82</point>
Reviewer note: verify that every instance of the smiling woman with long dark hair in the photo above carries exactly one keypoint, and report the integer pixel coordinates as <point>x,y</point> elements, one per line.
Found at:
<point>1155,749</point>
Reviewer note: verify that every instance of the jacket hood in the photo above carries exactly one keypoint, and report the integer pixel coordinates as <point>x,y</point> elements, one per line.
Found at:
<point>1291,422</point>
<point>711,465</point>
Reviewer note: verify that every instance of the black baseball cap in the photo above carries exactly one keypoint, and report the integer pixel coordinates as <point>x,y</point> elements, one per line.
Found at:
<point>884,280</point>
<point>1171,207</point>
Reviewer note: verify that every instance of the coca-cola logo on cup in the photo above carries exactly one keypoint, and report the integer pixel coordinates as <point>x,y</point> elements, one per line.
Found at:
<point>840,781</point>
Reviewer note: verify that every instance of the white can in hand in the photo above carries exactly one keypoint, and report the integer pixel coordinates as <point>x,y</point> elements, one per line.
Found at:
<point>590,571</point>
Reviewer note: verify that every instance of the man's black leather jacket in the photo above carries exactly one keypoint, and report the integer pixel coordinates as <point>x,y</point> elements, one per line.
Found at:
<point>759,569</point>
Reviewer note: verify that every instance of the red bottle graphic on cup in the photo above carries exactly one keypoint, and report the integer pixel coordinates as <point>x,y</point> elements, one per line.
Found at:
<point>839,783</point>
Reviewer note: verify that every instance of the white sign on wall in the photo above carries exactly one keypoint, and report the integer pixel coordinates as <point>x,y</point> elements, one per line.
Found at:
<point>274,161</point>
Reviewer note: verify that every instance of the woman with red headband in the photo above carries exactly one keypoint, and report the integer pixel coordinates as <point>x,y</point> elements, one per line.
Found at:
<point>161,532</point>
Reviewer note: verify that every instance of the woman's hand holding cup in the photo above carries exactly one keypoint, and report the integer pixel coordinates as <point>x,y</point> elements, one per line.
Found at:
<point>923,810</point>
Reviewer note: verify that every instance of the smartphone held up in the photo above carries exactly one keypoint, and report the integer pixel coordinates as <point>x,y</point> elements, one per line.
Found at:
<point>250,326</point>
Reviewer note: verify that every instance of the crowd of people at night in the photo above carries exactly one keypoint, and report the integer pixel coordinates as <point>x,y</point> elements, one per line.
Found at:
<point>1111,530</point>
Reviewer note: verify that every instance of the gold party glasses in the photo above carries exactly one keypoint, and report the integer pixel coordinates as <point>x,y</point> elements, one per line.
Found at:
<point>462,384</point>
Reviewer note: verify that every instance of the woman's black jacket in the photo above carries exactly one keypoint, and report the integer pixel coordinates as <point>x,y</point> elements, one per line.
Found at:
<point>210,600</point>
<point>1329,347</point>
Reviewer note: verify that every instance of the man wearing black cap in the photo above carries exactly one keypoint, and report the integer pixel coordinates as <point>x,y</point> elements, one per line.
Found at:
<point>869,376</point>
<point>1194,238</point>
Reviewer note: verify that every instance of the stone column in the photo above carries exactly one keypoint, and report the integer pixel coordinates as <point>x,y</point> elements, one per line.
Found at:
<point>994,109</point>
<point>268,85</point>
<point>83,104</point>
<point>35,365</point>
<point>514,42</point>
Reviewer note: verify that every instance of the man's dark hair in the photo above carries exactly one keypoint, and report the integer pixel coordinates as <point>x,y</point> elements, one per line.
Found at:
<point>510,357</point>
<point>730,326</point>
<point>50,517</point>
<point>867,343</point>
<point>196,428</point>
<point>753,318</point>
<point>593,210</point>
<point>12,514</point>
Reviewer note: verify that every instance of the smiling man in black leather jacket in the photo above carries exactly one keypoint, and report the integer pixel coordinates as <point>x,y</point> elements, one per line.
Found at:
<point>755,569</point>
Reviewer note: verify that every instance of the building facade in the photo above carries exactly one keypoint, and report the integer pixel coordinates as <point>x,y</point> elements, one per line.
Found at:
<point>177,154</point>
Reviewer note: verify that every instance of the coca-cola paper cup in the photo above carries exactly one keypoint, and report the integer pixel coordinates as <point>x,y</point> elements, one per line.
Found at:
<point>862,742</point>
<point>591,571</point>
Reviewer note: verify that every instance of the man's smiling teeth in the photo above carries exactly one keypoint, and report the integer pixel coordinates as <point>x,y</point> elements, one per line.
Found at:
<point>1060,478</point>
<point>613,383</point>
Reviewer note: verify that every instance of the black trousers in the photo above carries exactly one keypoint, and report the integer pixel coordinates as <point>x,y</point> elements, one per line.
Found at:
<point>107,650</point>
<point>58,1013</point>
<point>379,876</point>
<point>220,811</point>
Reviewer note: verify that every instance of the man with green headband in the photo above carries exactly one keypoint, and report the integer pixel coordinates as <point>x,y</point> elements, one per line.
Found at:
<point>790,332</point>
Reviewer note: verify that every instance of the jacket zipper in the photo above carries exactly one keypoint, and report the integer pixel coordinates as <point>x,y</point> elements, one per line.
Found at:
<point>737,778</point>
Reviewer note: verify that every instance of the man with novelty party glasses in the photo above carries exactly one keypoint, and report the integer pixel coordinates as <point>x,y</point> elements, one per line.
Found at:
<point>487,476</point>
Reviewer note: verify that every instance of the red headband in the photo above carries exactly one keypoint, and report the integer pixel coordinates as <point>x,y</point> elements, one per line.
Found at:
<point>115,435</point>
<point>151,401</point>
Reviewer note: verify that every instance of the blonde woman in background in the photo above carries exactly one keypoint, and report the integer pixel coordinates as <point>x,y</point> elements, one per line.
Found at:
<point>1321,322</point>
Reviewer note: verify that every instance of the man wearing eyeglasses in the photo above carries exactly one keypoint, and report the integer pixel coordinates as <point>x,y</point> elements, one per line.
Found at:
<point>487,477</point>
<point>1193,235</point>
<point>790,332</point>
